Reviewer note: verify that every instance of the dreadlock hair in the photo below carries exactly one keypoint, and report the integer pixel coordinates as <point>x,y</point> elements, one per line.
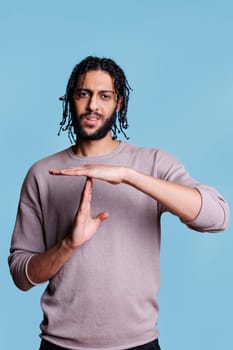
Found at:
<point>121,86</point>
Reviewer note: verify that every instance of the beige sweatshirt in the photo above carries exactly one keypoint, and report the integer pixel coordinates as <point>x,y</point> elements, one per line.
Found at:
<point>105,296</point>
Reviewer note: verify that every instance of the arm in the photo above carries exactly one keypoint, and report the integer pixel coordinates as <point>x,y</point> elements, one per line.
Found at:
<point>200,207</point>
<point>183,201</point>
<point>41,267</point>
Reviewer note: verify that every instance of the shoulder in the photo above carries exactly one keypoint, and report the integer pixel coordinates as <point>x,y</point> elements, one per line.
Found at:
<point>37,176</point>
<point>158,154</point>
<point>156,159</point>
<point>40,169</point>
<point>55,159</point>
<point>132,149</point>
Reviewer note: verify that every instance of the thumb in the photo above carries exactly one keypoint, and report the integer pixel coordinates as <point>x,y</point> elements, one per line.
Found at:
<point>102,216</point>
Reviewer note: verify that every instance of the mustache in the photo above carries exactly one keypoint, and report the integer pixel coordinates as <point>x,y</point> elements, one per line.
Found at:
<point>88,114</point>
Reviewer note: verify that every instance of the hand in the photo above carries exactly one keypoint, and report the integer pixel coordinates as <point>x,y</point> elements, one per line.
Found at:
<point>113,174</point>
<point>84,226</point>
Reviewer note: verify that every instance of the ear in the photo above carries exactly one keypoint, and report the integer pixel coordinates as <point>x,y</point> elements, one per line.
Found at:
<point>119,104</point>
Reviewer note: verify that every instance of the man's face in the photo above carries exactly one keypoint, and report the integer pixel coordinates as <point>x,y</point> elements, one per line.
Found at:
<point>95,104</point>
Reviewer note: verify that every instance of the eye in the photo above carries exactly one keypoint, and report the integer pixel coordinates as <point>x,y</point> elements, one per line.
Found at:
<point>105,97</point>
<point>82,94</point>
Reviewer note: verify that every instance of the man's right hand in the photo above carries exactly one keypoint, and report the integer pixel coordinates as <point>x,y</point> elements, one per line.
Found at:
<point>84,226</point>
<point>42,267</point>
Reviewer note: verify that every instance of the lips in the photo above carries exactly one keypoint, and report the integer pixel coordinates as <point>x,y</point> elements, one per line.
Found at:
<point>90,115</point>
<point>90,119</point>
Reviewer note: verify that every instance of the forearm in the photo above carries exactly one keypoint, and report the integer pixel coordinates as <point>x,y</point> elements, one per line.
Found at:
<point>183,201</point>
<point>42,267</point>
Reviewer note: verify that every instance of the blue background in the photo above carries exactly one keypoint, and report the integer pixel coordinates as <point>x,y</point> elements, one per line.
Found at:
<point>178,57</point>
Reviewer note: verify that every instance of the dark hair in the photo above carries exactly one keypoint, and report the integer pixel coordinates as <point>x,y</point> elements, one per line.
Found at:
<point>121,86</point>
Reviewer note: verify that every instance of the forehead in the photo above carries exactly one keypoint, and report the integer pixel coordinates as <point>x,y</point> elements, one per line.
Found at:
<point>96,80</point>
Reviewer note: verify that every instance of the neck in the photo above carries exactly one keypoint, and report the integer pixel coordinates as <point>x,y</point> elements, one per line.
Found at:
<point>90,148</point>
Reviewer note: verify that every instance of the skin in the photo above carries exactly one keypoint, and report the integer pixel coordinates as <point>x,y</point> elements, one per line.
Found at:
<point>95,100</point>
<point>183,201</point>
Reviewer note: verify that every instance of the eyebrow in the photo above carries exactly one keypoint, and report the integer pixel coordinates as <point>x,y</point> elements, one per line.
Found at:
<point>102,91</point>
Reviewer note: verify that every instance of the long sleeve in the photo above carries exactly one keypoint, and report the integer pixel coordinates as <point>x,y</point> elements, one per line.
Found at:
<point>115,275</point>
<point>27,238</point>
<point>214,214</point>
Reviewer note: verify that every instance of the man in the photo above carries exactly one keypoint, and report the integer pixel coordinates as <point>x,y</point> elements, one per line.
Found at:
<point>88,221</point>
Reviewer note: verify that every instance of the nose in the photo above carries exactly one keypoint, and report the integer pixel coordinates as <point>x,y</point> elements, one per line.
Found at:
<point>93,103</point>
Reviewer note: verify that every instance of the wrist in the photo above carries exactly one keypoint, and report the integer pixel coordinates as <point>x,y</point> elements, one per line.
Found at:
<point>128,176</point>
<point>68,244</point>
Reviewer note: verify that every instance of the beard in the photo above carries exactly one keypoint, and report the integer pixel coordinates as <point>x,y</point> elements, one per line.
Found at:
<point>98,134</point>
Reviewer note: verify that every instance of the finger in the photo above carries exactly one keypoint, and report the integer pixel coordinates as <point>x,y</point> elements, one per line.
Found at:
<point>102,216</point>
<point>72,171</point>
<point>67,172</point>
<point>87,191</point>
<point>86,196</point>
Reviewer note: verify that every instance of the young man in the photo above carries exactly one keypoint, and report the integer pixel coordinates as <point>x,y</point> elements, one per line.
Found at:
<point>88,221</point>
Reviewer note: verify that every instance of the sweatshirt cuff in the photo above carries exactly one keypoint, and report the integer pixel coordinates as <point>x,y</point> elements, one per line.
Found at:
<point>26,272</point>
<point>212,215</point>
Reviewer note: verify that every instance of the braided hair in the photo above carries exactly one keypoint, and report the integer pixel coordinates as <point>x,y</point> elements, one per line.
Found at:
<point>121,86</point>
